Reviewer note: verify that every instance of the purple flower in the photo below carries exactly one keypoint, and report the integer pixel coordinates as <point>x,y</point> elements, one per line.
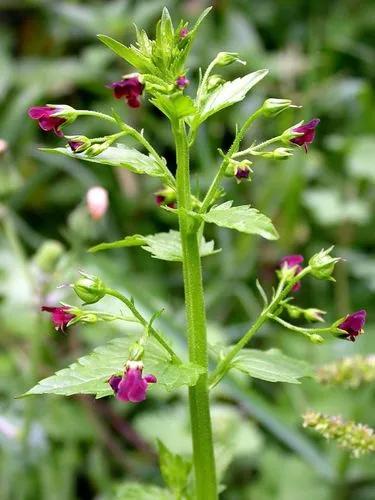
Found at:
<point>75,145</point>
<point>59,315</point>
<point>182,82</point>
<point>131,386</point>
<point>47,122</point>
<point>293,261</point>
<point>184,32</point>
<point>308,133</point>
<point>129,87</point>
<point>353,324</point>
<point>242,172</point>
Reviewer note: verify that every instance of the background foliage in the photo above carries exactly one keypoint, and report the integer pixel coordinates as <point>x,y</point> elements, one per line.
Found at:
<point>320,55</point>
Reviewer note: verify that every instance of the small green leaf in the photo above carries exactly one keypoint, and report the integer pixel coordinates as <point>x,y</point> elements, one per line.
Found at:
<point>167,246</point>
<point>139,491</point>
<point>89,374</point>
<point>175,106</point>
<point>242,218</point>
<point>230,93</point>
<point>131,54</point>
<point>120,156</point>
<point>271,365</point>
<point>128,241</point>
<point>174,469</point>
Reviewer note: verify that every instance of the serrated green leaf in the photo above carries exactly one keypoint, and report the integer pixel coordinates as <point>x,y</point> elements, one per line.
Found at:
<point>175,470</point>
<point>128,241</point>
<point>120,156</point>
<point>242,218</point>
<point>139,491</point>
<point>271,365</point>
<point>89,374</point>
<point>230,93</point>
<point>164,246</point>
<point>131,54</point>
<point>177,106</point>
<point>167,246</point>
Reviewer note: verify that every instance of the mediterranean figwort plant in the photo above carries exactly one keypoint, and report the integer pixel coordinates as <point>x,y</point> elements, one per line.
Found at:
<point>117,368</point>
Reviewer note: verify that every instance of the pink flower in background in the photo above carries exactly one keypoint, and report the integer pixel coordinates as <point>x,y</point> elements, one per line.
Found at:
<point>132,386</point>
<point>47,122</point>
<point>129,87</point>
<point>353,324</point>
<point>97,202</point>
<point>60,316</point>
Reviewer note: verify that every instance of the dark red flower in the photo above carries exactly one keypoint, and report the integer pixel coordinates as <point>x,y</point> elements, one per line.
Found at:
<point>131,88</point>
<point>182,82</point>
<point>132,386</point>
<point>242,172</point>
<point>59,315</point>
<point>308,133</point>
<point>293,261</point>
<point>353,324</point>
<point>47,122</point>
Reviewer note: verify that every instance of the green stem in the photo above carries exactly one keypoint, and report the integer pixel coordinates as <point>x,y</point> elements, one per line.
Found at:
<point>203,454</point>
<point>257,147</point>
<point>211,193</point>
<point>224,365</point>
<point>304,331</point>
<point>130,305</point>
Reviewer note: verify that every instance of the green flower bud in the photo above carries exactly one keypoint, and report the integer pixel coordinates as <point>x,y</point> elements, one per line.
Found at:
<point>214,81</point>
<point>136,352</point>
<point>314,314</point>
<point>316,339</point>
<point>272,107</point>
<point>322,265</point>
<point>90,289</point>
<point>96,149</point>
<point>226,58</point>
<point>276,154</point>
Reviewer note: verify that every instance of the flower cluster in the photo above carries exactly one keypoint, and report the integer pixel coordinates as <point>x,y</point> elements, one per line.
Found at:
<point>357,438</point>
<point>132,386</point>
<point>348,372</point>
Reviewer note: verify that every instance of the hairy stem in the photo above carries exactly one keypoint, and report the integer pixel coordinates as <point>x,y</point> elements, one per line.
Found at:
<point>203,453</point>
<point>261,145</point>
<point>224,365</point>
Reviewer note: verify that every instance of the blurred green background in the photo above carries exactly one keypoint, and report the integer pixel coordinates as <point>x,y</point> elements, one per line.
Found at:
<point>321,55</point>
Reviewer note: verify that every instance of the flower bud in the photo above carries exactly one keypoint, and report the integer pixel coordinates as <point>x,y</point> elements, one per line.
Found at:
<point>90,289</point>
<point>78,143</point>
<point>97,202</point>
<point>272,107</point>
<point>166,196</point>
<point>136,352</point>
<point>322,265</point>
<point>316,339</point>
<point>314,314</point>
<point>276,154</point>
<point>182,82</point>
<point>96,149</point>
<point>214,81</point>
<point>226,58</point>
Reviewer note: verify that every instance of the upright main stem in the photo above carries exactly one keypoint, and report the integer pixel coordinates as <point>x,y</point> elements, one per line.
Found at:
<point>203,454</point>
